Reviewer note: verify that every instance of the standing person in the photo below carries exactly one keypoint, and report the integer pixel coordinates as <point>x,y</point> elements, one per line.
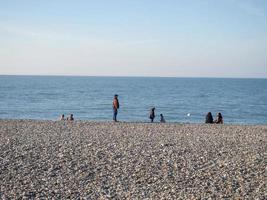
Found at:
<point>152,114</point>
<point>209,118</point>
<point>219,119</point>
<point>115,106</point>
<point>162,120</point>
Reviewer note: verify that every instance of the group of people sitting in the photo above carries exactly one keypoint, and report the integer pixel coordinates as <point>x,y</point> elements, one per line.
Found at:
<point>209,119</point>
<point>70,118</point>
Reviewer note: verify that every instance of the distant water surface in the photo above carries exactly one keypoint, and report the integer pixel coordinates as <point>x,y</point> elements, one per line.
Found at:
<point>242,101</point>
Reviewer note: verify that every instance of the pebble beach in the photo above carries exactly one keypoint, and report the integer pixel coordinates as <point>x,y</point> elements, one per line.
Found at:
<point>106,160</point>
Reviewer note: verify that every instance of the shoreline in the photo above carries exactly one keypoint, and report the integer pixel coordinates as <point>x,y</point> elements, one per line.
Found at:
<point>128,122</point>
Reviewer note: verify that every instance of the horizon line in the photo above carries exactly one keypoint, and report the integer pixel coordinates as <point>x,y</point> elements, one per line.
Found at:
<point>130,76</point>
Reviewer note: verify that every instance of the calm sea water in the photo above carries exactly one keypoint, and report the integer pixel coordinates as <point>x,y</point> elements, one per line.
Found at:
<point>242,101</point>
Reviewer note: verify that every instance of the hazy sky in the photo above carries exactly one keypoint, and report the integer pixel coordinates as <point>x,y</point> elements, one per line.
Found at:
<point>203,38</point>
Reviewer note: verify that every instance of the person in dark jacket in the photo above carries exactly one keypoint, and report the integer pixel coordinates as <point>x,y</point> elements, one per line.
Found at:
<point>152,114</point>
<point>219,119</point>
<point>209,118</point>
<point>115,106</point>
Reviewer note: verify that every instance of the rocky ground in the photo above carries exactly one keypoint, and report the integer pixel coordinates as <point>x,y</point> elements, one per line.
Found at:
<point>106,160</point>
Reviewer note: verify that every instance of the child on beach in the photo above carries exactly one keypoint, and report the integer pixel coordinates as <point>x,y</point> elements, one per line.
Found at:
<point>162,120</point>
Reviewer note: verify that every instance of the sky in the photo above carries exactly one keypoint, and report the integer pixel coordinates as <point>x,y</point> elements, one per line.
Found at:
<point>170,38</point>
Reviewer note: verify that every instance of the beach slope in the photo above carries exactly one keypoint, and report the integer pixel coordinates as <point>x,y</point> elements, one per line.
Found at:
<point>105,160</point>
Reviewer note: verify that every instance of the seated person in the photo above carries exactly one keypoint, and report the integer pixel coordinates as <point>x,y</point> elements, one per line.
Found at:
<point>209,118</point>
<point>162,120</point>
<point>70,118</point>
<point>219,119</point>
<point>62,117</point>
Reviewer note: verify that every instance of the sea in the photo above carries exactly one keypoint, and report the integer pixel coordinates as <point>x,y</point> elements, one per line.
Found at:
<point>181,100</point>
